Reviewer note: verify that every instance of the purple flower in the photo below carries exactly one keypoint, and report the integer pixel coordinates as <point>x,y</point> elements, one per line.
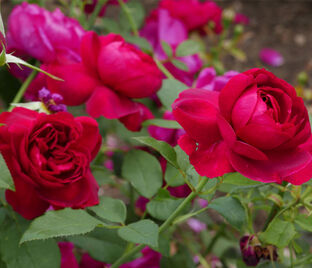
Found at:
<point>160,26</point>
<point>241,19</point>
<point>68,259</point>
<point>208,79</point>
<point>271,57</point>
<point>168,135</point>
<point>196,225</point>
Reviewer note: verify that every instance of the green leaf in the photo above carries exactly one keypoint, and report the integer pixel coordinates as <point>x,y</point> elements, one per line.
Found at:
<point>143,171</point>
<point>180,65</point>
<point>236,178</point>
<point>12,59</point>
<point>102,244</point>
<point>6,181</point>
<point>34,106</point>
<point>173,176</point>
<point>110,209</point>
<point>34,254</point>
<point>231,209</point>
<point>188,47</point>
<point>2,31</point>
<point>167,48</point>
<point>162,147</point>
<point>56,223</point>
<point>102,175</point>
<point>304,221</point>
<point>142,232</point>
<point>278,233</point>
<point>169,92</point>
<point>171,124</point>
<point>163,205</point>
<point>140,41</point>
<point>137,12</point>
<point>182,158</point>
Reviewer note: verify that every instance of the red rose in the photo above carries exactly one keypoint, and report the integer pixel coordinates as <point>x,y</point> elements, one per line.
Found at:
<point>193,13</point>
<point>48,157</point>
<point>256,125</point>
<point>111,74</point>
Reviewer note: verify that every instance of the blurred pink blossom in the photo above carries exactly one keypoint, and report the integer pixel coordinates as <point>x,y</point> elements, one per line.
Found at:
<point>209,80</point>
<point>196,225</point>
<point>271,57</point>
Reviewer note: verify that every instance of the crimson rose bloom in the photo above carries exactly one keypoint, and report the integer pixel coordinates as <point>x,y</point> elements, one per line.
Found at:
<point>111,73</point>
<point>48,157</point>
<point>44,35</point>
<point>193,13</point>
<point>256,125</point>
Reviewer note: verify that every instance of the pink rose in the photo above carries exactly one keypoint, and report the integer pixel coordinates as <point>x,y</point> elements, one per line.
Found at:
<point>194,14</point>
<point>49,157</point>
<point>44,35</point>
<point>256,125</point>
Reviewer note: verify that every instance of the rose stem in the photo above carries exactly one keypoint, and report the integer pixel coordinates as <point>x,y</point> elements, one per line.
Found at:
<point>96,12</point>
<point>22,89</point>
<point>167,223</point>
<point>129,16</point>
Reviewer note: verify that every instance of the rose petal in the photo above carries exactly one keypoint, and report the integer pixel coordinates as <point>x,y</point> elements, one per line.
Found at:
<point>211,161</point>
<point>109,104</point>
<point>90,48</point>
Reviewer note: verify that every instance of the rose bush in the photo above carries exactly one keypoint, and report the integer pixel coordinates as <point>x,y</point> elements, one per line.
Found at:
<point>256,125</point>
<point>48,157</point>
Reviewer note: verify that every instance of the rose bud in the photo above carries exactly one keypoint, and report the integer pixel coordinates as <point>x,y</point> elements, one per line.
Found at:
<point>271,57</point>
<point>256,126</point>
<point>247,247</point>
<point>97,80</point>
<point>43,35</point>
<point>49,157</point>
<point>194,14</point>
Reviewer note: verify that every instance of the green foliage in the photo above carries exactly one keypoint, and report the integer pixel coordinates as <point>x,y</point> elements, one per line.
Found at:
<point>56,223</point>
<point>304,221</point>
<point>180,65</point>
<point>238,179</point>
<point>163,205</point>
<point>102,244</point>
<point>136,11</point>
<point>143,232</point>
<point>35,254</point>
<point>188,47</point>
<point>169,92</point>
<point>143,171</point>
<point>111,209</point>
<point>173,176</point>
<point>167,48</point>
<point>162,123</point>
<point>6,181</point>
<point>231,209</point>
<point>162,147</point>
<point>278,233</point>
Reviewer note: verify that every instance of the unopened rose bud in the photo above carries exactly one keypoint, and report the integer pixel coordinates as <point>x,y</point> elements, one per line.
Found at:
<point>248,250</point>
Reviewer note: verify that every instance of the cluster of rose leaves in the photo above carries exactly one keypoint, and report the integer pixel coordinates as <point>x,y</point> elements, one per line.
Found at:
<point>251,122</point>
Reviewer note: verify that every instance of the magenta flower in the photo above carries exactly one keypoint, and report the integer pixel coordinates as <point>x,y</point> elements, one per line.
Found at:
<point>271,57</point>
<point>168,135</point>
<point>68,259</point>
<point>241,19</point>
<point>209,80</point>
<point>160,26</point>
<point>44,35</point>
<point>196,225</point>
